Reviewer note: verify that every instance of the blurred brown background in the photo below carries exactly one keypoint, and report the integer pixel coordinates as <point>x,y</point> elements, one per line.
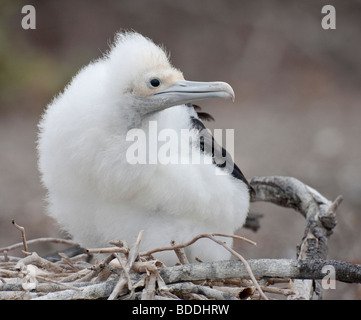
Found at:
<point>297,111</point>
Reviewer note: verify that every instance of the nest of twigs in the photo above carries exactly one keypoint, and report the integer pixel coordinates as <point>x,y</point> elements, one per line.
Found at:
<point>127,273</point>
<point>124,273</point>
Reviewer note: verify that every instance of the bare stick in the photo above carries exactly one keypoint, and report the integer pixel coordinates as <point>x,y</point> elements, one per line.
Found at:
<point>134,251</point>
<point>121,244</point>
<point>188,287</point>
<point>36,241</point>
<point>236,254</point>
<point>148,292</point>
<point>180,254</point>
<point>269,268</point>
<point>40,262</point>
<point>211,236</point>
<point>200,236</point>
<point>234,236</point>
<point>125,280</point>
<point>328,218</point>
<point>107,250</point>
<point>23,237</point>
<point>238,292</point>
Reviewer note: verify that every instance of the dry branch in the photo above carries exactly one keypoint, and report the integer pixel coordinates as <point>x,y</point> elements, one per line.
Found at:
<point>190,242</point>
<point>37,241</point>
<point>320,215</point>
<point>261,268</point>
<point>23,237</point>
<point>180,253</point>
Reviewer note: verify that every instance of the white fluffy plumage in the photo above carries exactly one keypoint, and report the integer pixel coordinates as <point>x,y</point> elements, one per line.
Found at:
<point>96,195</point>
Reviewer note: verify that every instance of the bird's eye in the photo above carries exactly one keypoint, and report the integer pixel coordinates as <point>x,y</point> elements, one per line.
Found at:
<point>154,83</point>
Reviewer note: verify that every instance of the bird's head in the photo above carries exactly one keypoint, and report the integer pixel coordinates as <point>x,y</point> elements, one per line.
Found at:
<point>141,72</point>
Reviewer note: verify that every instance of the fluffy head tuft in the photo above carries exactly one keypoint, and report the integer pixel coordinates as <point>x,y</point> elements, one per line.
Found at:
<point>134,60</point>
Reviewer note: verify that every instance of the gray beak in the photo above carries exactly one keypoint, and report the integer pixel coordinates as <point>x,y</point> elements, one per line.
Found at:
<point>188,91</point>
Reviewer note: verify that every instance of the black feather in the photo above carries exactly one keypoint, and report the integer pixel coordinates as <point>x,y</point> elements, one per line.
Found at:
<point>218,153</point>
<point>205,116</point>
<point>197,108</point>
<point>201,115</point>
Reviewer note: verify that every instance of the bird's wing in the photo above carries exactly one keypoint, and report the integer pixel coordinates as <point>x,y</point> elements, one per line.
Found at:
<point>221,157</point>
<point>201,115</point>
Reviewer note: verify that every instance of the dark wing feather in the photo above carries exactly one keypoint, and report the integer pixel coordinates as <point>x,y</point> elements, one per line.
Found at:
<point>205,116</point>
<point>201,115</point>
<point>221,157</point>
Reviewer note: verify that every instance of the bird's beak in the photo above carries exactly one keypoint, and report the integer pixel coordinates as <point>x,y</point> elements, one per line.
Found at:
<point>188,91</point>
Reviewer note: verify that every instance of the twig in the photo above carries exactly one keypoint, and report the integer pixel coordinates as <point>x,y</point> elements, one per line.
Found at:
<point>125,279</point>
<point>134,251</point>
<point>36,241</point>
<point>211,236</point>
<point>82,275</point>
<point>163,288</point>
<point>328,218</point>
<point>103,269</point>
<point>186,244</point>
<point>180,254</point>
<point>234,236</point>
<point>125,274</point>
<point>149,288</point>
<point>88,292</point>
<point>23,237</point>
<point>236,254</point>
<point>120,244</point>
<point>40,262</point>
<point>60,284</point>
<point>188,287</point>
<point>276,290</point>
<point>119,289</point>
<point>238,292</point>
<point>107,250</point>
<point>262,268</point>
<point>66,260</point>
<point>145,266</point>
